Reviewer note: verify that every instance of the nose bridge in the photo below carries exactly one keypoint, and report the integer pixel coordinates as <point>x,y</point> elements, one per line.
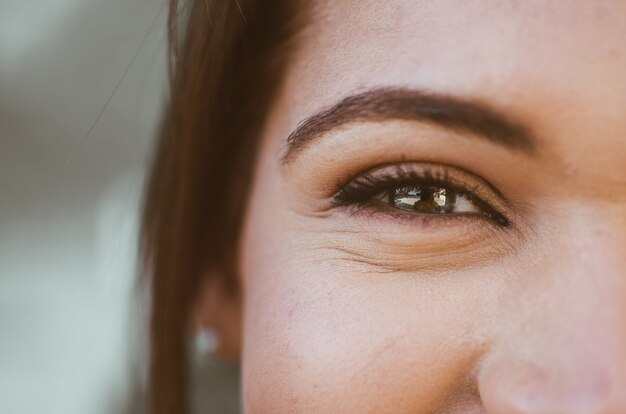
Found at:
<point>584,277</point>
<point>565,351</point>
<point>597,237</point>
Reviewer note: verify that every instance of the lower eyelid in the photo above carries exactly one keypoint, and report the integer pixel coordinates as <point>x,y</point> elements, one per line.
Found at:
<point>420,243</point>
<point>384,219</point>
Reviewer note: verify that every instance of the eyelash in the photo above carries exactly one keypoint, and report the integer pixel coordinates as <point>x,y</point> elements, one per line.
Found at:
<point>361,191</point>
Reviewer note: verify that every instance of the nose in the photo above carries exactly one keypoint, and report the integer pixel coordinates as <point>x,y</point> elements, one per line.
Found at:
<point>520,386</point>
<point>561,348</point>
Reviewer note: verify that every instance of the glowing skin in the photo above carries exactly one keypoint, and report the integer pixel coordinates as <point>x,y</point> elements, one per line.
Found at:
<point>378,310</point>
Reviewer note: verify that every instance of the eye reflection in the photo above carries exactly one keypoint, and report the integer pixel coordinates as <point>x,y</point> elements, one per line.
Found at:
<point>430,200</point>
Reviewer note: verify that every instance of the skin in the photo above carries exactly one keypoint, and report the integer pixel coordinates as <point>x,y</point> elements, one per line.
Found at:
<point>380,312</point>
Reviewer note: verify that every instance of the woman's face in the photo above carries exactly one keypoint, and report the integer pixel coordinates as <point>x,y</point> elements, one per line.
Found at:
<point>451,237</point>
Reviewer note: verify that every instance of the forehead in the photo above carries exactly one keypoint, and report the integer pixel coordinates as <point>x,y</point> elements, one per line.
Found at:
<point>463,45</point>
<point>536,59</point>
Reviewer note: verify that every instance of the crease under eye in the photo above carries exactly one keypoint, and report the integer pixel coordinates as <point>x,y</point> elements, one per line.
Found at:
<point>423,189</point>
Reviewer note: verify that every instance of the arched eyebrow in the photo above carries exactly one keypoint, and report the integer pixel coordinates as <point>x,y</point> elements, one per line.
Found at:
<point>474,118</point>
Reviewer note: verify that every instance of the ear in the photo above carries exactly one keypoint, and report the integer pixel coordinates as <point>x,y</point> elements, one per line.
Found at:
<point>219,309</point>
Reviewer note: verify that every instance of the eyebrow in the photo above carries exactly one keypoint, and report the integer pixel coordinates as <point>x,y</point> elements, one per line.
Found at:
<point>474,118</point>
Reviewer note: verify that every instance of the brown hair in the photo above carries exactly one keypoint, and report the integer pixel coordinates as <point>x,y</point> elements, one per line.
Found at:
<point>224,76</point>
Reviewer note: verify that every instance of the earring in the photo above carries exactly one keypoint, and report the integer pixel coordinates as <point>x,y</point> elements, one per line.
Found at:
<point>206,341</point>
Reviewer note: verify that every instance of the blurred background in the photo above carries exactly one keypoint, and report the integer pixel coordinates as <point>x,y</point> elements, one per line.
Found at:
<point>82,84</point>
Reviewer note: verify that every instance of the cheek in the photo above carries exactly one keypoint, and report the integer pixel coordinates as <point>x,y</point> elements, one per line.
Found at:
<point>328,334</point>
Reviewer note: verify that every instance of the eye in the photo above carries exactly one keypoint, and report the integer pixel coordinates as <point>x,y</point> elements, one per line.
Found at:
<point>424,190</point>
<point>429,200</point>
